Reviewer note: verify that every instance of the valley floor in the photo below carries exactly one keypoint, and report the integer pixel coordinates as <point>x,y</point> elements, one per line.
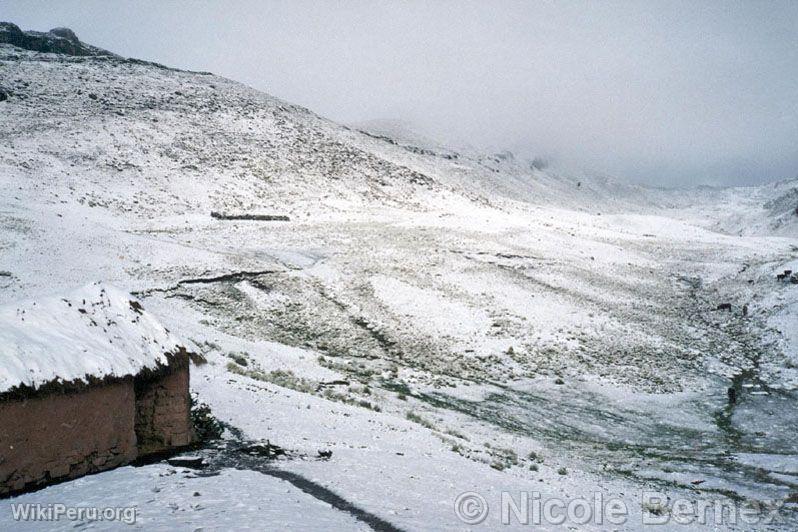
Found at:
<point>487,350</point>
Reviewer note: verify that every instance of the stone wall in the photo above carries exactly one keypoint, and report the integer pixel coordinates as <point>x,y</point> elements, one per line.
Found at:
<point>62,436</point>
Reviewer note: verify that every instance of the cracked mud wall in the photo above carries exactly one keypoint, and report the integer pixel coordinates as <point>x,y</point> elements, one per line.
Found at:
<point>63,436</point>
<point>163,408</point>
<point>58,434</point>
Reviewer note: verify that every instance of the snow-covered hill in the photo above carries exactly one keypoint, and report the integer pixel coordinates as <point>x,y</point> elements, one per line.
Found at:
<point>770,209</point>
<point>443,321</point>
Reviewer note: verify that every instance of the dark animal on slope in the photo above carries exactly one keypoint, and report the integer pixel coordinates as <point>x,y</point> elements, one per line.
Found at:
<point>732,393</point>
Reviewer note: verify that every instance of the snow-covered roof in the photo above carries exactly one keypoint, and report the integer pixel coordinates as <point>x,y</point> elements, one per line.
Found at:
<point>96,331</point>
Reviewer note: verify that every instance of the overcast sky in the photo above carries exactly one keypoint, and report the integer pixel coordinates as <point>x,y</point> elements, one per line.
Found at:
<point>659,92</point>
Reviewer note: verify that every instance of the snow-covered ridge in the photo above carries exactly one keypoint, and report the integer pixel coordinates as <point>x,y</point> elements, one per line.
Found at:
<point>96,331</point>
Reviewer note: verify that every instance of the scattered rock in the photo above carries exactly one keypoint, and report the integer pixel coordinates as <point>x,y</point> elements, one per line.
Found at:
<point>559,381</point>
<point>724,306</point>
<point>266,450</point>
<point>326,455</point>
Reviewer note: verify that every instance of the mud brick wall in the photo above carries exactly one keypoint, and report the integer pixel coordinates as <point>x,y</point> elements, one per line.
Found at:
<point>61,436</point>
<point>163,409</point>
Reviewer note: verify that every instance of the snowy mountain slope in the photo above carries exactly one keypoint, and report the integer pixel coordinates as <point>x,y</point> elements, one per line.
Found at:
<point>503,177</point>
<point>770,209</point>
<point>136,128</point>
<point>475,310</point>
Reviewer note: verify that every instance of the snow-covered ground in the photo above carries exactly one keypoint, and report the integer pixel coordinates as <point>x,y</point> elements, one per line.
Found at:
<point>497,327</point>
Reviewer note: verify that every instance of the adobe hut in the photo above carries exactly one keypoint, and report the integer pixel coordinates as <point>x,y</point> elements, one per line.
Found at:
<point>87,383</point>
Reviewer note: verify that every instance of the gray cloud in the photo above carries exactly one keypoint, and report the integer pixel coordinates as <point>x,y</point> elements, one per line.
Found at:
<point>659,92</point>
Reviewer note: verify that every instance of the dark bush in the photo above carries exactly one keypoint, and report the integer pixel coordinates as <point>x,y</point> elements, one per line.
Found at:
<point>206,426</point>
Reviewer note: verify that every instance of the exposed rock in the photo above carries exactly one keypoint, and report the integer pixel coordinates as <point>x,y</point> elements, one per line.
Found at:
<point>56,41</point>
<point>65,33</point>
<point>267,450</point>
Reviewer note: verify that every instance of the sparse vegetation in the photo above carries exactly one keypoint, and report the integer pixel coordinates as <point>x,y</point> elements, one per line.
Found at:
<point>415,418</point>
<point>239,358</point>
<point>333,395</point>
<point>655,508</point>
<point>456,434</point>
<point>280,377</point>
<point>206,426</point>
